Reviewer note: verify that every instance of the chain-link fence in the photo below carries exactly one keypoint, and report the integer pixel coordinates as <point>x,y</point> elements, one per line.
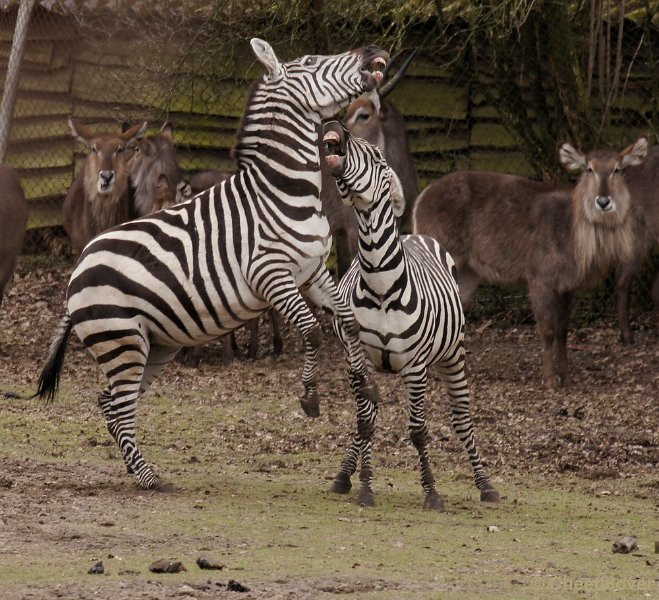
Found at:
<point>492,87</point>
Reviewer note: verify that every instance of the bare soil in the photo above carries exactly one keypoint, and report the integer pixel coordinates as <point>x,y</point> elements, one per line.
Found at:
<point>211,430</point>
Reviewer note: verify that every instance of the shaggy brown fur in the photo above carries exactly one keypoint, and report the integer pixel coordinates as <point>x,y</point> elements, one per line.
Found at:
<point>100,196</point>
<point>643,184</point>
<point>13,219</point>
<point>555,238</point>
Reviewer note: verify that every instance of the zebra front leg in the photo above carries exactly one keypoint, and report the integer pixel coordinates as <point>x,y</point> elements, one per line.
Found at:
<point>415,387</point>
<point>453,375</point>
<point>362,444</point>
<point>281,291</point>
<point>322,291</point>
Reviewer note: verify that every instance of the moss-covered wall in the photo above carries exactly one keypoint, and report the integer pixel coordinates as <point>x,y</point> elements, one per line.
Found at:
<point>103,82</point>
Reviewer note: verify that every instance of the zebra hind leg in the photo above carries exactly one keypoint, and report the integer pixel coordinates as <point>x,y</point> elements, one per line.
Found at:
<point>454,378</point>
<point>130,374</point>
<point>415,387</point>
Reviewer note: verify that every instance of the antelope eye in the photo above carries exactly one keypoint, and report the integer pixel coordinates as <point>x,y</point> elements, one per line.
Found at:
<point>362,116</point>
<point>120,149</point>
<point>94,149</point>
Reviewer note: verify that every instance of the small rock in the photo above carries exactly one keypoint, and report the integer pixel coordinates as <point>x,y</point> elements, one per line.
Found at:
<point>625,545</point>
<point>167,566</point>
<point>234,586</point>
<point>186,590</point>
<point>209,563</point>
<point>492,528</point>
<point>97,569</point>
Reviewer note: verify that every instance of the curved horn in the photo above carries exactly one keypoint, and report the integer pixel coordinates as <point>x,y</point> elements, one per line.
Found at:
<point>393,82</point>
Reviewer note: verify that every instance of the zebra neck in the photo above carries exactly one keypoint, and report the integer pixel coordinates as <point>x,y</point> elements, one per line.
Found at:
<point>381,257</point>
<point>277,130</point>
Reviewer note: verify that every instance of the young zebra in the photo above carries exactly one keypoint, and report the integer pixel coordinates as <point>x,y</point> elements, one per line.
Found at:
<point>198,270</point>
<point>404,296</point>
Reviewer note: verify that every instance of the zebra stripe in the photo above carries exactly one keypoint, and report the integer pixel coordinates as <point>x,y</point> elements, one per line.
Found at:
<point>201,269</point>
<point>404,295</point>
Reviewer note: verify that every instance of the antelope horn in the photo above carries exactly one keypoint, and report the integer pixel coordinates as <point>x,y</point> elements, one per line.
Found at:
<point>386,89</point>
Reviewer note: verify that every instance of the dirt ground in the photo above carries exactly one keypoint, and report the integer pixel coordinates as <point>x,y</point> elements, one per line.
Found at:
<point>605,426</point>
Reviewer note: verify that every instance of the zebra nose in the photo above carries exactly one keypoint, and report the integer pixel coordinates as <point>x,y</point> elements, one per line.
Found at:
<point>604,203</point>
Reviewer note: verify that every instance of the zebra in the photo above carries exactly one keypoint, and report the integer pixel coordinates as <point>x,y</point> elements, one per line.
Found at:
<point>403,293</point>
<point>201,269</point>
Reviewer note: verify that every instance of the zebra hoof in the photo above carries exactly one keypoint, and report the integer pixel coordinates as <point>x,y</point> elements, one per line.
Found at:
<point>489,494</point>
<point>310,405</point>
<point>433,501</point>
<point>164,488</point>
<point>341,486</point>
<point>366,497</point>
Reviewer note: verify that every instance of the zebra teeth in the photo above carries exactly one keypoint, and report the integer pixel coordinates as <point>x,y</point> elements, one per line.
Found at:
<point>332,143</point>
<point>377,67</point>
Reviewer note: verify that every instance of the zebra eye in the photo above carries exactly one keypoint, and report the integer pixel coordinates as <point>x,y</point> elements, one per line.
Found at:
<point>309,61</point>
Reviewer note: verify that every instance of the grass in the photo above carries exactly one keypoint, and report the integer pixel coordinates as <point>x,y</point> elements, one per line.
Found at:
<point>269,517</point>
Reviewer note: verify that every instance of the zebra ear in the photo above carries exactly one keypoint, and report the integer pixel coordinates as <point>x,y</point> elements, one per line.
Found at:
<point>266,55</point>
<point>397,196</point>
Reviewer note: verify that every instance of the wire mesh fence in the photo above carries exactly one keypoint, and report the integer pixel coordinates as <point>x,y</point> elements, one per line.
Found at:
<point>492,87</point>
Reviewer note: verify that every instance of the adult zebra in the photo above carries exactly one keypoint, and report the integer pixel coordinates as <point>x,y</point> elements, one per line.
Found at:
<point>199,270</point>
<point>403,293</point>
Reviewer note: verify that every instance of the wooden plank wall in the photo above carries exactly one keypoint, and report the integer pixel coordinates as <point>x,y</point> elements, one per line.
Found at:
<point>450,124</point>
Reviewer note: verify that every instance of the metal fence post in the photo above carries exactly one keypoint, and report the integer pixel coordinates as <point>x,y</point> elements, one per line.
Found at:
<point>13,73</point>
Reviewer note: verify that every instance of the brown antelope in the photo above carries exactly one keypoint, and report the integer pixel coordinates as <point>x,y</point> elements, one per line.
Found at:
<point>154,171</point>
<point>373,118</point>
<point>13,219</point>
<point>643,184</point>
<point>556,238</point>
<point>100,196</point>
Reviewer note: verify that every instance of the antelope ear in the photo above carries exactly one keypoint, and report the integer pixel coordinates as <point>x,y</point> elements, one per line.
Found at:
<point>397,196</point>
<point>136,132</point>
<point>571,158</point>
<point>266,55</point>
<point>634,154</point>
<point>80,132</point>
<point>167,131</point>
<point>374,97</point>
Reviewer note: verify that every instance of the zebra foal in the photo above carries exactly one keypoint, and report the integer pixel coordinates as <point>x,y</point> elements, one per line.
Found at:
<point>200,269</point>
<point>403,293</point>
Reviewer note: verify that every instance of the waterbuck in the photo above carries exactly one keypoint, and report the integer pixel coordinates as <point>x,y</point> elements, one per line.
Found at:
<point>13,219</point>
<point>154,171</point>
<point>556,238</point>
<point>100,196</point>
<point>643,184</point>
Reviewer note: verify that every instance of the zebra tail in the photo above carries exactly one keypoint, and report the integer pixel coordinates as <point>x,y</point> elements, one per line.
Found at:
<point>49,378</point>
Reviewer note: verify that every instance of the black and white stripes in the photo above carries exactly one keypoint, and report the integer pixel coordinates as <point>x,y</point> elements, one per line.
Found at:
<point>201,269</point>
<point>403,293</point>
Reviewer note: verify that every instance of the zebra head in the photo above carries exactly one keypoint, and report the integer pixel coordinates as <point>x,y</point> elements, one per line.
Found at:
<point>362,174</point>
<point>323,84</point>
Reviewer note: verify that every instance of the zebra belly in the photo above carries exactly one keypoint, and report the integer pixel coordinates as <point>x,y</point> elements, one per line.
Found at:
<point>384,339</point>
<point>169,304</point>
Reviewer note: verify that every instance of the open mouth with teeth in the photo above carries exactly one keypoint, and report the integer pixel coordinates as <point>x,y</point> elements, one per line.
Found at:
<point>377,67</point>
<point>373,67</point>
<point>333,146</point>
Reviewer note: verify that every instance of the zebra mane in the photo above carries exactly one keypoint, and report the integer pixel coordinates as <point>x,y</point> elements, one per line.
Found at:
<point>239,146</point>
